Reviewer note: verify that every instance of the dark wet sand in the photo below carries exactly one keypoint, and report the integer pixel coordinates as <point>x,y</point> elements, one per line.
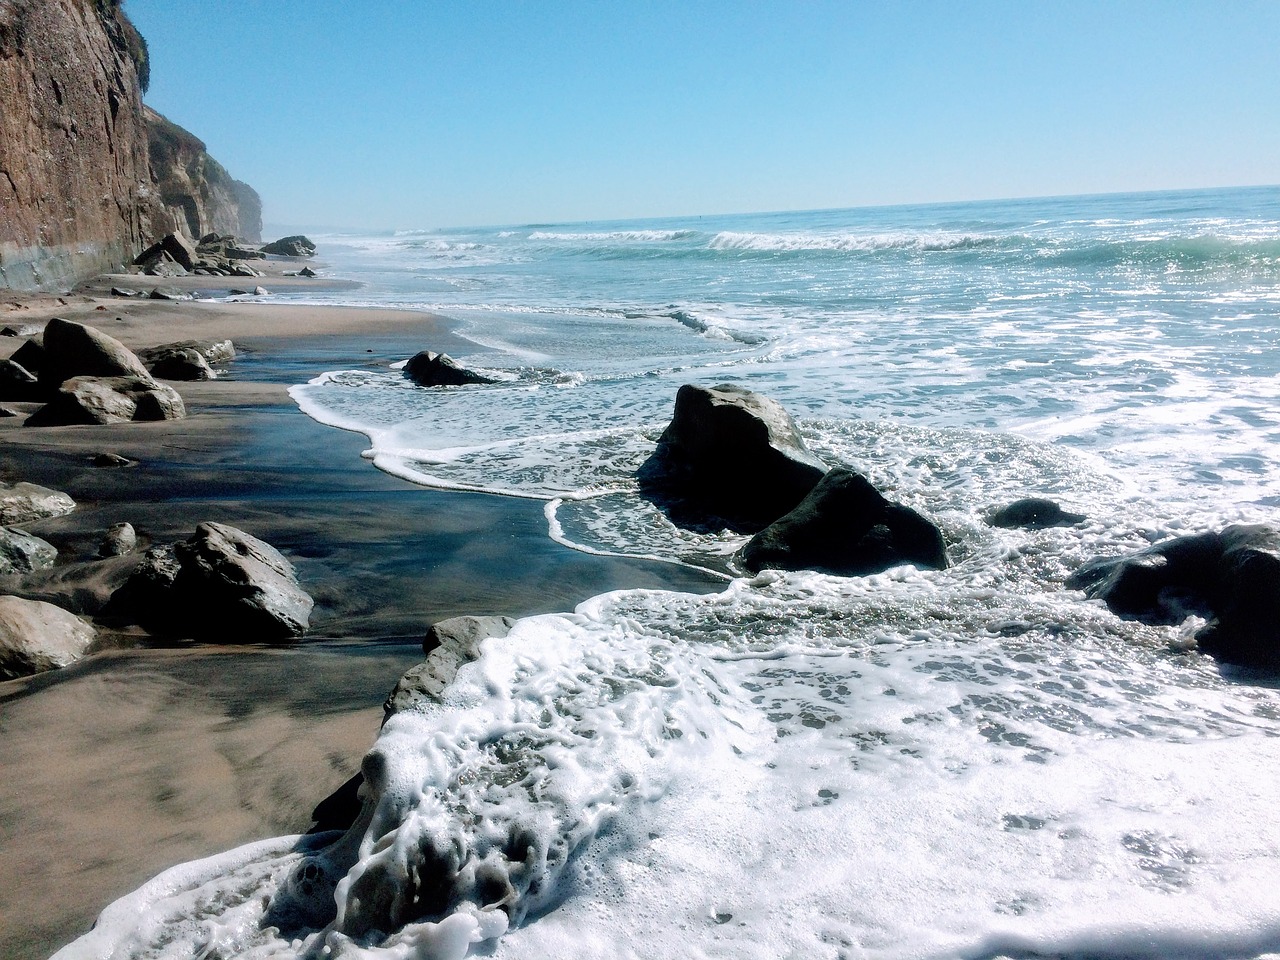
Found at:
<point>136,759</point>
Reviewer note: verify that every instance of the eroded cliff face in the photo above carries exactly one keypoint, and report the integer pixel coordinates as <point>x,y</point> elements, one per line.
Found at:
<point>197,193</point>
<point>75,182</point>
<point>78,193</point>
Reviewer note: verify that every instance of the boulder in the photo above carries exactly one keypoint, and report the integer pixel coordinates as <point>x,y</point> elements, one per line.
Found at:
<point>36,636</point>
<point>429,369</point>
<point>732,454</point>
<point>125,292</point>
<point>295,246</point>
<point>306,272</point>
<point>24,502</point>
<point>222,585</point>
<point>120,540</point>
<point>1232,578</point>
<point>21,330</point>
<point>181,363</point>
<point>29,356</point>
<point>261,291</point>
<point>213,351</point>
<point>1033,513</point>
<point>169,293</point>
<point>166,269</point>
<point>99,400</point>
<point>174,246</point>
<point>110,460</point>
<point>846,527</point>
<point>448,645</point>
<point>18,383</point>
<point>20,552</point>
<point>243,253</point>
<point>75,350</point>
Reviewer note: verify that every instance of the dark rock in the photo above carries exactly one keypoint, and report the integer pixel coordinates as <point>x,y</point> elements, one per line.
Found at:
<point>100,400</point>
<point>20,552</point>
<point>111,460</point>
<point>731,454</point>
<point>261,292</point>
<point>182,364</point>
<point>244,253</point>
<point>174,246</point>
<point>75,350</point>
<point>1231,577</point>
<point>8,413</point>
<point>222,586</point>
<point>22,330</point>
<point>339,810</point>
<point>169,293</point>
<point>295,246</point>
<point>37,636</point>
<point>306,272</point>
<point>846,527</point>
<point>125,292</point>
<point>237,292</point>
<point>120,540</point>
<point>448,645</point>
<point>24,502</point>
<point>18,383</point>
<point>429,369</point>
<point>1033,513</point>
<point>29,356</point>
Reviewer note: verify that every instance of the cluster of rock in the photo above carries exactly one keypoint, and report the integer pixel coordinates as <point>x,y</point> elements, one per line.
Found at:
<point>732,458</point>
<point>295,246</point>
<point>221,585</point>
<point>214,256</point>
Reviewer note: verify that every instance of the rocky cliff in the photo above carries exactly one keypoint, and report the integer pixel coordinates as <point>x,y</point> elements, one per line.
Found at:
<point>78,194</point>
<point>197,193</point>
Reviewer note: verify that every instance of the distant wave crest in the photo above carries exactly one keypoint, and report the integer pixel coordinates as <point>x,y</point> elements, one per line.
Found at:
<point>615,236</point>
<point>847,242</point>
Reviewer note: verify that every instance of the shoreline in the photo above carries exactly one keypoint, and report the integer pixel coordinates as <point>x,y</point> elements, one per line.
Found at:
<point>133,760</point>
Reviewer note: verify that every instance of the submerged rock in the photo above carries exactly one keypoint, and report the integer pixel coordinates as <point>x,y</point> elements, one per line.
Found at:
<point>1231,577</point>
<point>100,400</point>
<point>22,552</point>
<point>222,585</point>
<point>429,369</point>
<point>36,636</point>
<point>111,460</point>
<point>24,502</point>
<point>845,526</point>
<point>1033,513</point>
<point>733,454</point>
<point>448,645</point>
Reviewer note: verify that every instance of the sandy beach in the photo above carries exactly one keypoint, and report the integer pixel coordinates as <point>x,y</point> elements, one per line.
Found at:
<point>143,756</point>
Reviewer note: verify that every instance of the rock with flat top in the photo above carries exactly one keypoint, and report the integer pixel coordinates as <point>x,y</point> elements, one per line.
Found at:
<point>25,502</point>
<point>36,636</point>
<point>448,645</point>
<point>845,526</point>
<point>75,350</point>
<point>1033,513</point>
<point>101,400</point>
<point>169,293</point>
<point>21,552</point>
<point>732,454</point>
<point>295,246</point>
<point>429,369</point>
<point>222,586</point>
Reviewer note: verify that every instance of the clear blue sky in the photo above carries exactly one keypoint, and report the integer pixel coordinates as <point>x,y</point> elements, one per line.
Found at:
<point>425,113</point>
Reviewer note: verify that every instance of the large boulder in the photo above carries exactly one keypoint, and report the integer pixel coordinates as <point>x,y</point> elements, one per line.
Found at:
<point>98,400</point>
<point>732,454</point>
<point>30,356</point>
<point>75,350</point>
<point>222,585</point>
<point>21,552</point>
<point>295,246</point>
<point>174,247</point>
<point>36,636</point>
<point>1033,513</point>
<point>24,502</point>
<point>1232,578</point>
<point>429,369</point>
<point>846,527</point>
<point>448,645</point>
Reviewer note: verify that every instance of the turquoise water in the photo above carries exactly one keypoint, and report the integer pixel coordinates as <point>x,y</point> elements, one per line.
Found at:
<point>974,762</point>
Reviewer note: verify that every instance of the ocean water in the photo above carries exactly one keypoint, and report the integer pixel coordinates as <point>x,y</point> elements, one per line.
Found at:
<point>975,762</point>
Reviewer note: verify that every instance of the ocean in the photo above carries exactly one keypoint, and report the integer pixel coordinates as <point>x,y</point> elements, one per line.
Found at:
<point>974,762</point>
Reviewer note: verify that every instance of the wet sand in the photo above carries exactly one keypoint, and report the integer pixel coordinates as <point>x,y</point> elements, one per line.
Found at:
<point>141,757</point>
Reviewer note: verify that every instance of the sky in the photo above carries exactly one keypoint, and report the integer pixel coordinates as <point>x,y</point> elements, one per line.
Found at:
<point>414,114</point>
